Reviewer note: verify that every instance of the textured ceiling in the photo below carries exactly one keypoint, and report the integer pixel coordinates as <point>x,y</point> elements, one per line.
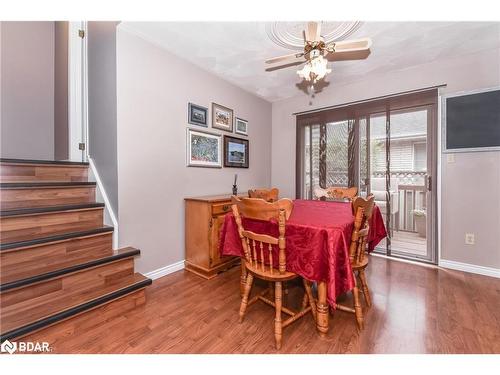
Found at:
<point>236,51</point>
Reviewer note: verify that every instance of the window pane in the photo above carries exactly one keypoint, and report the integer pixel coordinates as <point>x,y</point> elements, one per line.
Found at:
<point>420,157</point>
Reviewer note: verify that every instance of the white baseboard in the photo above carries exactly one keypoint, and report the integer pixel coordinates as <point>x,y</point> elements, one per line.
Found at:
<point>472,268</point>
<point>164,271</point>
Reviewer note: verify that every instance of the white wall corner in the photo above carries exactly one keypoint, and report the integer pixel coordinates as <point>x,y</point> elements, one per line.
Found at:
<point>164,271</point>
<point>110,217</point>
<point>472,268</point>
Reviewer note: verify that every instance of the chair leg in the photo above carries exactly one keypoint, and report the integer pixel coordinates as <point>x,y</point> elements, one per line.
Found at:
<point>305,301</point>
<point>364,286</point>
<point>357,307</point>
<point>271,290</point>
<point>243,277</point>
<point>310,297</point>
<point>246,293</point>
<point>278,328</point>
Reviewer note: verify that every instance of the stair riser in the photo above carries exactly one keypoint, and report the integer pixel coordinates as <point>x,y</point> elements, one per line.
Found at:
<point>44,197</point>
<point>71,289</point>
<point>17,228</point>
<point>42,173</point>
<point>19,264</point>
<point>87,320</point>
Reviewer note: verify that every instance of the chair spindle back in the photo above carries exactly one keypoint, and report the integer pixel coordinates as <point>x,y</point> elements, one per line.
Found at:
<point>255,246</point>
<point>362,210</point>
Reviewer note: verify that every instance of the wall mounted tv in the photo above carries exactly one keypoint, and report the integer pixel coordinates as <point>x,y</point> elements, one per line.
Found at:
<point>472,121</point>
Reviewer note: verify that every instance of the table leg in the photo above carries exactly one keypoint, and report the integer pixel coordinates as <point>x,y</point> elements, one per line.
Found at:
<point>243,277</point>
<point>322,310</point>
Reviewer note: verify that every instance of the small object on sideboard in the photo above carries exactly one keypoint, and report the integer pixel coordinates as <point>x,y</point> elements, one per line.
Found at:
<point>204,219</point>
<point>235,185</point>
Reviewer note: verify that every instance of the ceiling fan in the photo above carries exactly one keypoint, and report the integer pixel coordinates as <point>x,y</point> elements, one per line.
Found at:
<point>317,53</point>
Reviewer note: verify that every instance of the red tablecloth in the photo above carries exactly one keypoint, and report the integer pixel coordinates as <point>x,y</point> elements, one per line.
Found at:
<point>317,235</point>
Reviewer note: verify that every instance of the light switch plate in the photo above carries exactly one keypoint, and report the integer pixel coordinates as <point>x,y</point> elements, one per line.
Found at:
<point>450,158</point>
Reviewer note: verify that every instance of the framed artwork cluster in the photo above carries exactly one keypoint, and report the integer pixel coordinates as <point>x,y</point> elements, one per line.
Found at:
<point>204,148</point>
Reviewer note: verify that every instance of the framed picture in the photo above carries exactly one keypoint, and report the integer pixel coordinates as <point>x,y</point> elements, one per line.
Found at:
<point>203,149</point>
<point>241,126</point>
<point>236,152</point>
<point>222,118</point>
<point>197,115</point>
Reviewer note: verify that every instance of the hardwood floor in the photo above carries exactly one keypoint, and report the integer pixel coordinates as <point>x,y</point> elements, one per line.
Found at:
<point>415,310</point>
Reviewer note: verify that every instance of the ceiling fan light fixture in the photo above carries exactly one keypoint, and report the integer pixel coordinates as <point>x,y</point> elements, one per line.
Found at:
<point>315,69</point>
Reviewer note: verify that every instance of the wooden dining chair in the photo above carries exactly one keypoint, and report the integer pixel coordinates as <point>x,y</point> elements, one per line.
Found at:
<point>335,192</point>
<point>270,195</point>
<point>259,262</point>
<point>341,193</point>
<point>362,210</point>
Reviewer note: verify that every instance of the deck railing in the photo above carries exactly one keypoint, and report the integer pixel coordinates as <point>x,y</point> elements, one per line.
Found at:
<point>411,196</point>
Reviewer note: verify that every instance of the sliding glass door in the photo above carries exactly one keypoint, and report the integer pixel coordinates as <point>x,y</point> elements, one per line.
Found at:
<point>386,149</point>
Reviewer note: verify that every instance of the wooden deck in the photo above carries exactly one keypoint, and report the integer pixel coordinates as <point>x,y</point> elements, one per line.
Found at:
<point>407,243</point>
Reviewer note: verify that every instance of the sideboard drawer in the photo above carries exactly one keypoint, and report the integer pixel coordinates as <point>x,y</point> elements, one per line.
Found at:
<point>221,208</point>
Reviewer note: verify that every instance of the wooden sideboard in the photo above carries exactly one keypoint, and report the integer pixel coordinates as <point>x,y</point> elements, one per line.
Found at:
<point>204,219</point>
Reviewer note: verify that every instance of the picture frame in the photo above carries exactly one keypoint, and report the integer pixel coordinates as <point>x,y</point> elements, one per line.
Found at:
<point>203,149</point>
<point>241,126</point>
<point>236,152</point>
<point>197,115</point>
<point>222,118</point>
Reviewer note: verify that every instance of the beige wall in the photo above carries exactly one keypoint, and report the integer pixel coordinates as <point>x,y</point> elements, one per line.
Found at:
<point>27,80</point>
<point>101,50</point>
<point>467,184</point>
<point>153,91</point>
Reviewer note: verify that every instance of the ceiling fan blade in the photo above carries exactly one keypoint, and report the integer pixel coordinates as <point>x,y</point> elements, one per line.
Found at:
<point>353,45</point>
<point>349,50</point>
<point>313,31</point>
<point>290,57</point>
<point>285,65</point>
<point>347,55</point>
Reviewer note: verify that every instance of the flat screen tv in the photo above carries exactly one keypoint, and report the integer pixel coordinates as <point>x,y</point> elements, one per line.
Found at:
<point>472,121</point>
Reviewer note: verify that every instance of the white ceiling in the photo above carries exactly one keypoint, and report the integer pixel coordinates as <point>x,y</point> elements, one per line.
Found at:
<point>236,51</point>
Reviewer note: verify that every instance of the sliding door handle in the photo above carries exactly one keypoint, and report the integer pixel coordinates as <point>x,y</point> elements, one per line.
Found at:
<point>428,183</point>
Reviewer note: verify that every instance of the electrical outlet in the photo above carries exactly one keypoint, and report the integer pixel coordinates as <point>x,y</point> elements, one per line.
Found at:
<point>470,239</point>
<point>450,158</point>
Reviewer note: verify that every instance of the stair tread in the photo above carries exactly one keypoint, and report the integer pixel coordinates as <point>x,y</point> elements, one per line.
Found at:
<point>41,161</point>
<point>70,268</point>
<point>62,236</point>
<point>51,184</point>
<point>41,210</point>
<point>14,317</point>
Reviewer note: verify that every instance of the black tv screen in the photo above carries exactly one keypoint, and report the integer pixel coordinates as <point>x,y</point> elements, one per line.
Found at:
<point>473,121</point>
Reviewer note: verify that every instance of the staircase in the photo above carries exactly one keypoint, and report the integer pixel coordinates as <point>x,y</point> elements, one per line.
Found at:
<point>56,256</point>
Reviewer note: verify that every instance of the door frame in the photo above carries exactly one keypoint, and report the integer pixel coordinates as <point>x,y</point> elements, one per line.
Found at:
<point>432,195</point>
<point>428,98</point>
<point>77,91</point>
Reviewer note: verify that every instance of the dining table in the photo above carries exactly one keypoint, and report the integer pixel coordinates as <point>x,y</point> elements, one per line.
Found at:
<point>317,235</point>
